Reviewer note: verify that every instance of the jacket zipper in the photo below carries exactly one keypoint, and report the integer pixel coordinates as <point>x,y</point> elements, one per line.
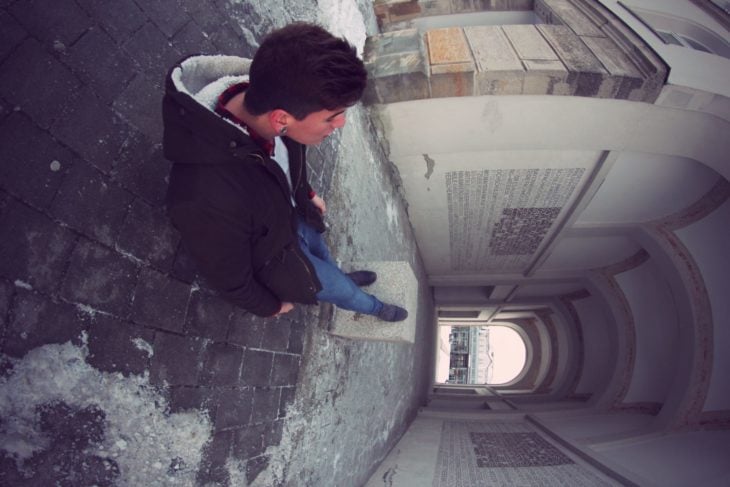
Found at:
<point>294,251</point>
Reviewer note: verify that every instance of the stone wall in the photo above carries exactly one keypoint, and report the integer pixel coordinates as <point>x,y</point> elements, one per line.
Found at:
<point>89,260</point>
<point>581,49</point>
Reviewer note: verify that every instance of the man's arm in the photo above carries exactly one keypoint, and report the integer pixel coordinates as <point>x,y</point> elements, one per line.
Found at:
<point>221,247</point>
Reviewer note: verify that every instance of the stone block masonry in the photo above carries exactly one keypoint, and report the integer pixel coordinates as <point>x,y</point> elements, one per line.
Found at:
<point>580,50</point>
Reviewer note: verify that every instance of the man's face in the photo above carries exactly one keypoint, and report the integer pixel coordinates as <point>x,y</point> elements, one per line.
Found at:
<point>316,126</point>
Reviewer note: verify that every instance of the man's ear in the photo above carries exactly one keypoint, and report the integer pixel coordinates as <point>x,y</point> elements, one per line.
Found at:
<point>279,120</point>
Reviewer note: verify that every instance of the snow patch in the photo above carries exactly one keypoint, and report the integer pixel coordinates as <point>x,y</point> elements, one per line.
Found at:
<point>143,346</point>
<point>344,19</point>
<point>23,284</point>
<point>140,435</point>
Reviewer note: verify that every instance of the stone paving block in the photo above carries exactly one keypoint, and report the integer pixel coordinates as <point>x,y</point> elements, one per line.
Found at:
<point>274,433</point>
<point>265,405</point>
<point>188,398</point>
<point>88,202</point>
<point>247,329</point>
<point>570,49</point>
<point>39,248</point>
<point>255,466</point>
<point>452,67</point>
<point>228,41</point>
<point>435,7</point>
<point>276,336</point>
<point>32,164</point>
<point>97,61</point>
<point>183,267</point>
<point>447,46</point>
<point>160,301</point>
<point>586,73</point>
<point>177,360</point>
<point>296,337</point>
<point>120,18</point>
<point>287,398</point>
<point>396,77</point>
<point>396,66</point>
<point>119,346</point>
<point>574,18</point>
<point>546,78</point>
<point>213,469</point>
<point>36,321</point>
<point>206,15</point>
<point>52,21</point>
<point>249,442</point>
<point>499,70</point>
<point>148,235</point>
<point>192,40</point>
<point>208,316</point>
<point>221,365</point>
<point>528,43</point>
<point>257,366</point>
<point>92,130</point>
<point>151,50</point>
<point>285,370</point>
<point>167,15</point>
<point>141,168</point>
<point>397,42</point>
<point>11,34</point>
<point>134,103</point>
<point>233,407</point>
<point>612,57</point>
<point>397,285</point>
<point>37,83</point>
<point>72,435</point>
<point>100,278</point>
<point>617,63</point>
<point>6,294</point>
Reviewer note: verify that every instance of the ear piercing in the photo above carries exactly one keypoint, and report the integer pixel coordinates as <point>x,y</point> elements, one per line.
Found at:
<point>282,130</point>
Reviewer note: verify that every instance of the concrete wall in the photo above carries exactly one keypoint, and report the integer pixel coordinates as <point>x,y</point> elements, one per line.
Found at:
<point>708,241</point>
<point>94,288</point>
<point>657,333</point>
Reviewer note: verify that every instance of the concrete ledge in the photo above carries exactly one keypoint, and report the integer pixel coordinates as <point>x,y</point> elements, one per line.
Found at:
<point>396,284</point>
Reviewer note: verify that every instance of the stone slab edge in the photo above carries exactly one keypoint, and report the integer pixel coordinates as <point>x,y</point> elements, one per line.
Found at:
<point>396,284</point>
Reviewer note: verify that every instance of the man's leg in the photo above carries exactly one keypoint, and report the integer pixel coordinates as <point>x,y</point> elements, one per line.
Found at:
<point>337,287</point>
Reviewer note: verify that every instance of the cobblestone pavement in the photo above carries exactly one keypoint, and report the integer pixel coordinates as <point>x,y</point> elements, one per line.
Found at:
<point>87,255</point>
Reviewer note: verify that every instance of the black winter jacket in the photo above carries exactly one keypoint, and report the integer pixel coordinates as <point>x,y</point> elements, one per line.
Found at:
<point>229,200</point>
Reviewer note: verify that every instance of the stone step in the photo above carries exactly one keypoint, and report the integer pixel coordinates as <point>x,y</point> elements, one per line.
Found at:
<point>396,284</point>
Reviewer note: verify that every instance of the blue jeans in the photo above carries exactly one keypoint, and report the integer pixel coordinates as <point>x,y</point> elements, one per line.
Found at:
<point>337,288</point>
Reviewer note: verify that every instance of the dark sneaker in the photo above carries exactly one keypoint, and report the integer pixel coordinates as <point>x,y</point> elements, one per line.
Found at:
<point>391,312</point>
<point>363,278</point>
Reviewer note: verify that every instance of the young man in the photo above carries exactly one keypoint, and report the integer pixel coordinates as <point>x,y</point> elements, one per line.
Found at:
<point>236,131</point>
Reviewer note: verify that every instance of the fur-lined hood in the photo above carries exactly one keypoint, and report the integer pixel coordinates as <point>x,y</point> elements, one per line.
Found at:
<point>193,132</point>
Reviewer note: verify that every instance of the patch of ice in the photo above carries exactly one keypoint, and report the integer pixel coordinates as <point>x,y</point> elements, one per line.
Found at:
<point>143,346</point>
<point>141,436</point>
<point>23,284</point>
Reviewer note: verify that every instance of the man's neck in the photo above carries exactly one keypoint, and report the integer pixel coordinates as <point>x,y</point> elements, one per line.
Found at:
<point>259,123</point>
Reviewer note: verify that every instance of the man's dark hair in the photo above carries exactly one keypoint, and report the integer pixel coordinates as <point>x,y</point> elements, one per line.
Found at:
<point>302,68</point>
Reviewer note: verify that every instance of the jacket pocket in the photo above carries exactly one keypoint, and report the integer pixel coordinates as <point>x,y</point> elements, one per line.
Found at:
<point>289,278</point>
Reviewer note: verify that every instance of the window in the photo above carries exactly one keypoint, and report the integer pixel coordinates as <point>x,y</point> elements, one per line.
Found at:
<point>479,354</point>
<point>682,32</point>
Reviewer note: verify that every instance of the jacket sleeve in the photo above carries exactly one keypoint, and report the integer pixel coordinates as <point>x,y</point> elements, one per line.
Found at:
<point>221,246</point>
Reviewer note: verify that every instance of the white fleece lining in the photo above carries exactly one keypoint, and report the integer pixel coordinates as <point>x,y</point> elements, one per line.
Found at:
<point>204,78</point>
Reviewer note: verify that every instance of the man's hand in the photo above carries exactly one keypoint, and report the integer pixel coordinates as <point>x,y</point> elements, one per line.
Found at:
<point>285,308</point>
<point>319,203</point>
